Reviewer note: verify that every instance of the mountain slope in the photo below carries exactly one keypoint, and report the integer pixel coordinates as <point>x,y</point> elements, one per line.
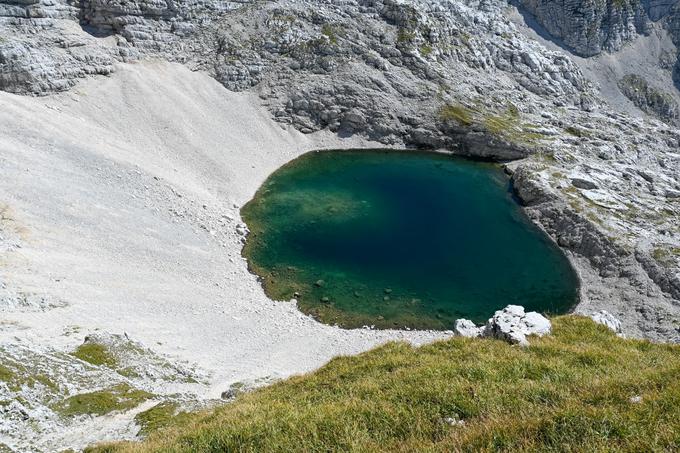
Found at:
<point>582,389</point>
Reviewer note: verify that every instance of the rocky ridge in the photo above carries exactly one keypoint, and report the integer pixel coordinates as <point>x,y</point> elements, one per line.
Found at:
<point>455,75</point>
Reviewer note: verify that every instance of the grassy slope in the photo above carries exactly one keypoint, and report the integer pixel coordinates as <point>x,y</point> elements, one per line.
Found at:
<point>568,392</point>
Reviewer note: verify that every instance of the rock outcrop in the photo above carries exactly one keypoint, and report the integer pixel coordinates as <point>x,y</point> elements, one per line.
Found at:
<point>510,324</point>
<point>513,325</point>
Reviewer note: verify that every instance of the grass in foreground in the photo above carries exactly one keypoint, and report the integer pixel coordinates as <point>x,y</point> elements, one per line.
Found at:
<point>582,389</point>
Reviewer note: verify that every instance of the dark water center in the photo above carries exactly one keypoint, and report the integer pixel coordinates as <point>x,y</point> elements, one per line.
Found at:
<point>399,239</point>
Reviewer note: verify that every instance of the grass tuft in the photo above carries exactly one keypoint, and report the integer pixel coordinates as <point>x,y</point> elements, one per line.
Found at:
<point>158,417</point>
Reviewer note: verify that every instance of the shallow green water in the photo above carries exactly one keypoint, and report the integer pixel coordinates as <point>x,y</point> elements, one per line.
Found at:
<point>397,239</point>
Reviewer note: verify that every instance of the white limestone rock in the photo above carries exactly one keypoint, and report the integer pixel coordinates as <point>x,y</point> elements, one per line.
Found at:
<point>606,319</point>
<point>467,328</point>
<point>513,325</point>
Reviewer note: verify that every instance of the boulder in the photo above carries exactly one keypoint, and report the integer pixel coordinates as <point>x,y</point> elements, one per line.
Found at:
<point>606,319</point>
<point>513,325</point>
<point>583,183</point>
<point>467,328</point>
<point>537,324</point>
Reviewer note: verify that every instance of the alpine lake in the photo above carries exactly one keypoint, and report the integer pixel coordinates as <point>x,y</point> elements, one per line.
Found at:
<point>397,239</point>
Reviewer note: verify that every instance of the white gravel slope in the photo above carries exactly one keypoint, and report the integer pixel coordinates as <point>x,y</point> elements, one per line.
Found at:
<point>116,192</point>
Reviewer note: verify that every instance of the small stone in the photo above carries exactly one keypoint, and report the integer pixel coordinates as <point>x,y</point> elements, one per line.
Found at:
<point>325,299</point>
<point>319,283</point>
<point>454,421</point>
<point>229,394</point>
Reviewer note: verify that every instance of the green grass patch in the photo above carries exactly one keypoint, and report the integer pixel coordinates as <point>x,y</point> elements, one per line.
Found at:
<point>425,50</point>
<point>576,132</point>
<point>405,36</point>
<point>16,375</point>
<point>96,354</point>
<point>6,375</point>
<point>570,391</point>
<point>120,397</point>
<point>663,255</point>
<point>158,417</point>
<point>506,125</point>
<point>457,112</point>
<point>330,32</point>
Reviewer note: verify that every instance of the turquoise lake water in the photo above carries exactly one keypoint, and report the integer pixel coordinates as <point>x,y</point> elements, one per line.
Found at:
<point>401,239</point>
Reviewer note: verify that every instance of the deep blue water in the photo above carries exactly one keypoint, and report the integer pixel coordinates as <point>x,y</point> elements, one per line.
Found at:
<point>397,239</point>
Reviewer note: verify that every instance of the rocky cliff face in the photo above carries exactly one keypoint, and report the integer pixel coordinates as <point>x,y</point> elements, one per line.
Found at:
<point>649,99</point>
<point>452,74</point>
<point>589,27</point>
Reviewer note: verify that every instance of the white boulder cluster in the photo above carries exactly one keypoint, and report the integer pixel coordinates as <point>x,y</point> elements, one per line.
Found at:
<point>511,324</point>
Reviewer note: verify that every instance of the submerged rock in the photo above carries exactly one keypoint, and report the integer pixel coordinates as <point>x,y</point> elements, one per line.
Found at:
<point>606,319</point>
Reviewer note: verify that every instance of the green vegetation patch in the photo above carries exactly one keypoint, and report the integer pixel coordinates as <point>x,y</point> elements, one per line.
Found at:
<point>457,112</point>
<point>16,375</point>
<point>159,416</point>
<point>120,397</point>
<point>6,375</point>
<point>507,125</point>
<point>331,32</point>
<point>96,354</point>
<point>425,50</point>
<point>664,255</point>
<point>405,36</point>
<point>582,389</point>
